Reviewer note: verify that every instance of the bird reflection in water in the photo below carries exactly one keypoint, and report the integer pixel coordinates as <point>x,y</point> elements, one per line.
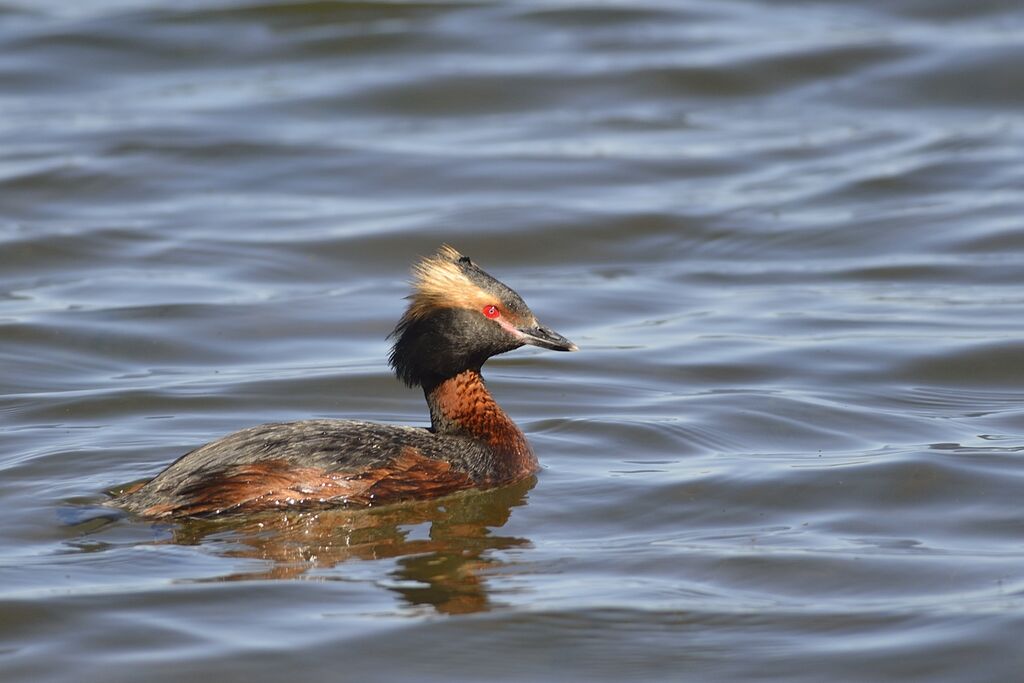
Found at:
<point>445,570</point>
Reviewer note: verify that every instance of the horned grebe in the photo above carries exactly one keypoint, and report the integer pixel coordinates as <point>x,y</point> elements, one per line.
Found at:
<point>457,318</point>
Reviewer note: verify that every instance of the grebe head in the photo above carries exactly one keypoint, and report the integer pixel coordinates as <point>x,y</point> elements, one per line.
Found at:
<point>458,317</point>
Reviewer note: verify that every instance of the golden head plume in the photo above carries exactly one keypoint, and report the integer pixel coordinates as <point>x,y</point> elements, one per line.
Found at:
<point>442,281</point>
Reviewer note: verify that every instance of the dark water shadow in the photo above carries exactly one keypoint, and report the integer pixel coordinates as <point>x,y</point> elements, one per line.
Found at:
<point>444,548</point>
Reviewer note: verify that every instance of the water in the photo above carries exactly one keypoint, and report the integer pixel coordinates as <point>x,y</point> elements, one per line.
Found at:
<point>787,237</point>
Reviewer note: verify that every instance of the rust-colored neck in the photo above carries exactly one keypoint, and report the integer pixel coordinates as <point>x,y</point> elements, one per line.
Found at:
<point>462,406</point>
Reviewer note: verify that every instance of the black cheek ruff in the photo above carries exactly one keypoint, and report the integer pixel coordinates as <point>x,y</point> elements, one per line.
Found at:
<point>448,341</point>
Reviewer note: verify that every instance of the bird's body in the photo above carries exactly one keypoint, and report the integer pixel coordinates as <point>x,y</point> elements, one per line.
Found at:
<point>459,317</point>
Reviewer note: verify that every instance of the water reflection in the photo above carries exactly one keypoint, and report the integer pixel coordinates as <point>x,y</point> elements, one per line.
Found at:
<point>444,548</point>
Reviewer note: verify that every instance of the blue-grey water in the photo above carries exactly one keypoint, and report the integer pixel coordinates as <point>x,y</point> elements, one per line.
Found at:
<point>787,236</point>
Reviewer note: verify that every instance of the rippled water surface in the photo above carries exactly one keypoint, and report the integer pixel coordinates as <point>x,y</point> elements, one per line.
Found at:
<point>787,237</point>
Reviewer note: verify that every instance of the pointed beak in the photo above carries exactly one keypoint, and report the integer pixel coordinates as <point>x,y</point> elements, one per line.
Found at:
<point>546,339</point>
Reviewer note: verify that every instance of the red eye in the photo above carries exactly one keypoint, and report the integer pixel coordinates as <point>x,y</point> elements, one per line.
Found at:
<point>491,311</point>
